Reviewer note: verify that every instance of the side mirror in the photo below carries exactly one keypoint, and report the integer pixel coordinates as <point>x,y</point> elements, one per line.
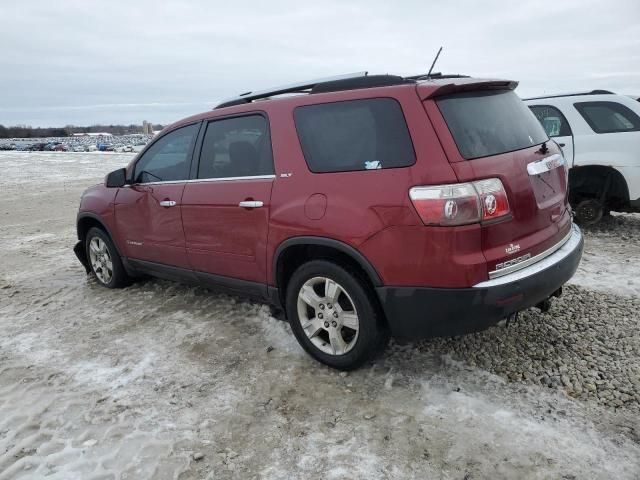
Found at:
<point>117,178</point>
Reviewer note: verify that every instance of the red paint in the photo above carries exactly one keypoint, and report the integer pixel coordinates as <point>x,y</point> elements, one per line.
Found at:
<point>147,231</point>
<point>368,210</point>
<point>221,237</point>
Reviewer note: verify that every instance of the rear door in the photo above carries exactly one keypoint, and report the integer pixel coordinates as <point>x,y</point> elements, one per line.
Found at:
<point>557,127</point>
<point>492,134</point>
<point>225,208</point>
<point>148,212</point>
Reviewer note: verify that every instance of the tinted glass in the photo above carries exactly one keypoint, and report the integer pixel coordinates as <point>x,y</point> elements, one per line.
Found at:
<point>552,120</point>
<point>608,117</point>
<point>236,147</point>
<point>168,158</point>
<point>490,122</point>
<point>354,135</point>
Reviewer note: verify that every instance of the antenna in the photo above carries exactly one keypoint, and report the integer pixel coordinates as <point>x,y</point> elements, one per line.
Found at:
<point>434,62</point>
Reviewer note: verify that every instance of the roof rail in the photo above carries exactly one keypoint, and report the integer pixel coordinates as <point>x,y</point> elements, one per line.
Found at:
<point>291,88</point>
<point>575,94</point>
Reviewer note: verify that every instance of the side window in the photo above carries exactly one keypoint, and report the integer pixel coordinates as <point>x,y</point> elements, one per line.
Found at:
<point>168,158</point>
<point>552,119</point>
<point>354,135</point>
<point>236,147</point>
<point>609,117</point>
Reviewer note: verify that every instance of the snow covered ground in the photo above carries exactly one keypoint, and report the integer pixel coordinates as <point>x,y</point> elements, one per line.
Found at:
<point>100,384</point>
<point>611,261</point>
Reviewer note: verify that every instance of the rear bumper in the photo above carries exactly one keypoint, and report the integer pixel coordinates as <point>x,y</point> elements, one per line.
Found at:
<point>419,312</point>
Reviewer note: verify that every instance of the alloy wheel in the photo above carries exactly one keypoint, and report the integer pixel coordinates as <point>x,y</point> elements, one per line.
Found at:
<point>328,315</point>
<point>100,259</point>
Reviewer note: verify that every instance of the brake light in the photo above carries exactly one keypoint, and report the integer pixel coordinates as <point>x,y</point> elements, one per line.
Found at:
<point>493,198</point>
<point>460,203</point>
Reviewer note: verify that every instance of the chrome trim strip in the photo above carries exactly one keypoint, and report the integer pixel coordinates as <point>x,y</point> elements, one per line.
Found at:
<point>546,164</point>
<point>206,180</point>
<point>530,261</point>
<point>567,247</point>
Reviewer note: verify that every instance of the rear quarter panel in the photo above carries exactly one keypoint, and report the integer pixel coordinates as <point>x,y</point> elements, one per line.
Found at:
<point>359,204</point>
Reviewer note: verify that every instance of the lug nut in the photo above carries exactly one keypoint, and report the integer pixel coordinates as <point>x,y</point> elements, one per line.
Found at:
<point>335,314</point>
<point>322,306</point>
<point>320,316</point>
<point>329,306</point>
<point>326,324</point>
<point>334,324</point>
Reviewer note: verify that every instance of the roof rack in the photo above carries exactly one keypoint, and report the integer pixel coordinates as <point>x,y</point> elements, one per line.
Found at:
<point>349,81</point>
<point>291,88</point>
<point>576,94</point>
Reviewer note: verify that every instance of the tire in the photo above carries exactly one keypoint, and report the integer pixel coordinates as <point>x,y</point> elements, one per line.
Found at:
<point>102,254</point>
<point>342,329</point>
<point>588,212</point>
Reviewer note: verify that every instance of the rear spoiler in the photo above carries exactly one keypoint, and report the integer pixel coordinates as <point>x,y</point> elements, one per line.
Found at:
<point>437,88</point>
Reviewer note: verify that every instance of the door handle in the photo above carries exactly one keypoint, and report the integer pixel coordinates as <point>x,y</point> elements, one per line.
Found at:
<point>251,204</point>
<point>167,203</point>
<point>561,144</point>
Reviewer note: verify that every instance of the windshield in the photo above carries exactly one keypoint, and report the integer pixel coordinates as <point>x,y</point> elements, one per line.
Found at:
<point>490,122</point>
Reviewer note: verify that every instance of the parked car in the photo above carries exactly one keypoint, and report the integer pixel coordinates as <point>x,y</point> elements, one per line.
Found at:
<point>372,205</point>
<point>599,133</point>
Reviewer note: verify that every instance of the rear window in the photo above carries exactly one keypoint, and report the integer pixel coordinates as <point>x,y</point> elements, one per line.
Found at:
<point>608,117</point>
<point>490,122</point>
<point>354,135</point>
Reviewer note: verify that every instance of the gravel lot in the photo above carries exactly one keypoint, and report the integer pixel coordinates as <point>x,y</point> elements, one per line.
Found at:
<point>168,381</point>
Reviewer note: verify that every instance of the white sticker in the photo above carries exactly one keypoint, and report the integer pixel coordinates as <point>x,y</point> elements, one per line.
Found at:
<point>373,165</point>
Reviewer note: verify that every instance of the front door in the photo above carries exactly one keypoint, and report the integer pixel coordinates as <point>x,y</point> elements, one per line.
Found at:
<point>225,210</point>
<point>557,127</point>
<point>148,212</point>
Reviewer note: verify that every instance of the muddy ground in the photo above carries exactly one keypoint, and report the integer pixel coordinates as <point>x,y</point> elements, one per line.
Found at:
<point>135,383</point>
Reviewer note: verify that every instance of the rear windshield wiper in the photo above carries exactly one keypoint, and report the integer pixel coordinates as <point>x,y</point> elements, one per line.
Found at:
<point>543,148</point>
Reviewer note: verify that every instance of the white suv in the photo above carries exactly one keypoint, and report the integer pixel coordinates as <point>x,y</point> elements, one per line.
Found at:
<point>599,133</point>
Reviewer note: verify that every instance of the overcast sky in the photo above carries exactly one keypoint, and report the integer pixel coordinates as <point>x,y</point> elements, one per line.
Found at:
<point>80,62</point>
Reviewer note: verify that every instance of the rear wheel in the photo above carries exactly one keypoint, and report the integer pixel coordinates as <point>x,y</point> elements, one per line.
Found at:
<point>589,212</point>
<point>334,315</point>
<point>104,260</point>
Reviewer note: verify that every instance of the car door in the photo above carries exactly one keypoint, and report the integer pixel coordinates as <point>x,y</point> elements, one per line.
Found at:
<point>225,208</point>
<point>147,211</point>
<point>557,127</point>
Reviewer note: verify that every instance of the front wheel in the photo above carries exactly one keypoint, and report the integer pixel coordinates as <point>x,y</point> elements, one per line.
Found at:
<point>334,315</point>
<point>104,260</point>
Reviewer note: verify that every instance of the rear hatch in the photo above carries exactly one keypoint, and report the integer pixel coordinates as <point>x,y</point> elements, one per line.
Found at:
<point>490,133</point>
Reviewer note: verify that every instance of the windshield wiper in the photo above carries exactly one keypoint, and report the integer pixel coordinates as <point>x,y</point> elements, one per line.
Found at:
<point>543,148</point>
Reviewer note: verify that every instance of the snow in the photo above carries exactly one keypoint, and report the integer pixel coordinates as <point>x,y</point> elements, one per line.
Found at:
<point>611,259</point>
<point>98,384</point>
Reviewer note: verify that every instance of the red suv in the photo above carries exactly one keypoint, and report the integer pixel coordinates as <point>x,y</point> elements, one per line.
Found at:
<point>362,206</point>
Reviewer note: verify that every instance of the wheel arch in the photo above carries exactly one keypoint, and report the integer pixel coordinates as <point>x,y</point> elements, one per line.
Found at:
<point>86,221</point>
<point>601,182</point>
<point>295,251</point>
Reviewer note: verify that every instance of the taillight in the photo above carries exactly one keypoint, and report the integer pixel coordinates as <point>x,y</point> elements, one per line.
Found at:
<point>493,198</point>
<point>460,203</point>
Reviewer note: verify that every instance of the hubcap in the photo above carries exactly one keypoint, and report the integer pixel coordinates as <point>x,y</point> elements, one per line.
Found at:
<point>334,337</point>
<point>100,259</point>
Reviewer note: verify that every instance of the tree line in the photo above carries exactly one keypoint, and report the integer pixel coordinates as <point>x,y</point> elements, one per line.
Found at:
<point>25,131</point>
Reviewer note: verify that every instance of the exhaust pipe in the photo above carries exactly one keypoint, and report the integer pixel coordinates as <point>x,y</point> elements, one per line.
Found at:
<point>545,305</point>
